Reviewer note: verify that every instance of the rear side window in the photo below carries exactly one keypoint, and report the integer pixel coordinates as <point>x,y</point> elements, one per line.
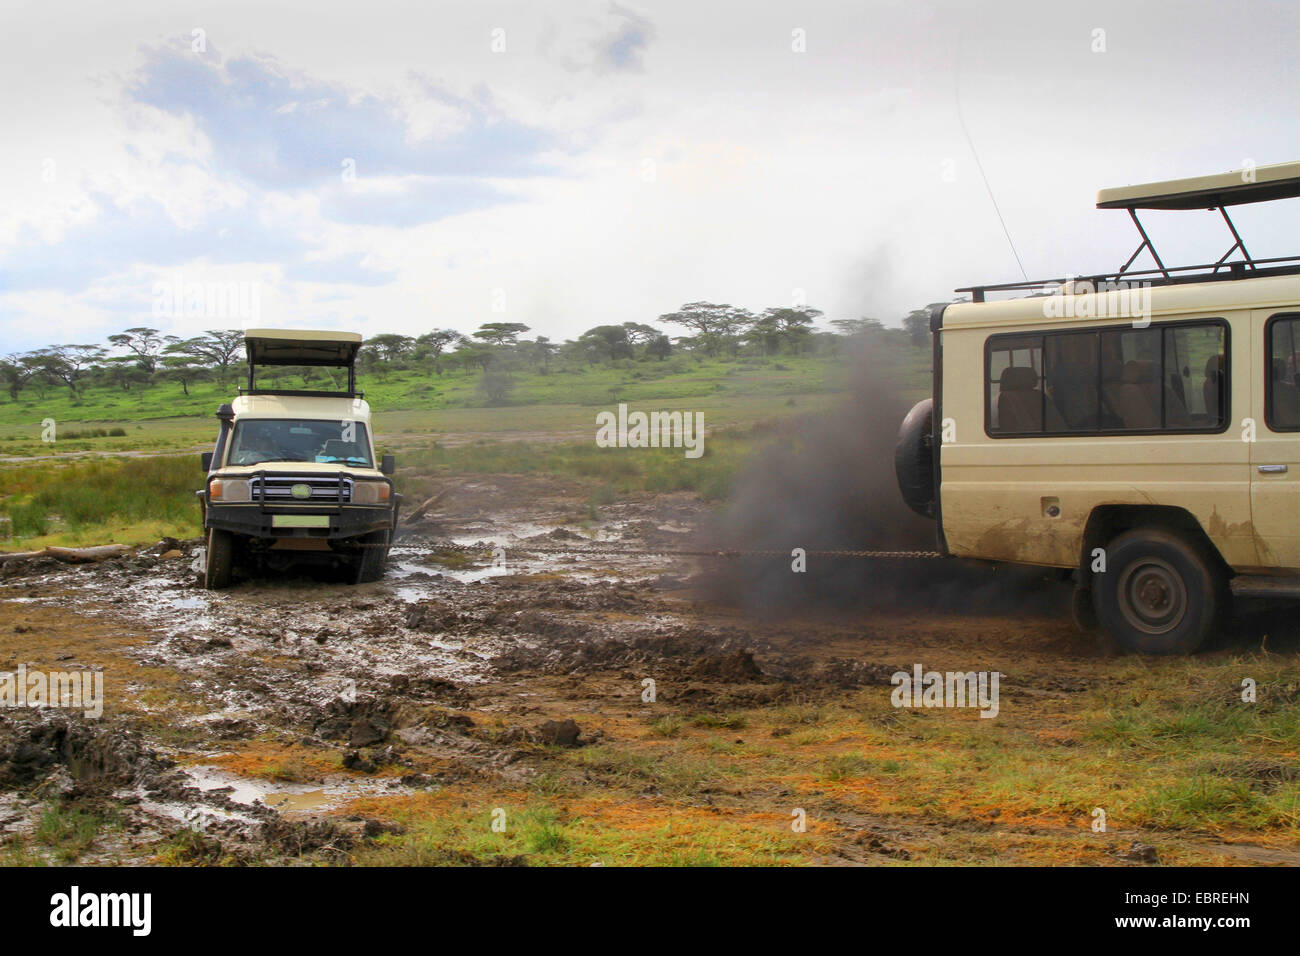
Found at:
<point>1283,357</point>
<point>1164,378</point>
<point>1015,385</point>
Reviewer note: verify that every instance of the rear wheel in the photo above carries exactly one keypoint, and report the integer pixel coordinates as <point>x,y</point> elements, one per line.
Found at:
<point>220,565</point>
<point>1159,594</point>
<point>374,556</point>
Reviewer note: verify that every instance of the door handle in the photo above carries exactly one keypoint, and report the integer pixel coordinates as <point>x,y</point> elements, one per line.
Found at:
<point>1272,469</point>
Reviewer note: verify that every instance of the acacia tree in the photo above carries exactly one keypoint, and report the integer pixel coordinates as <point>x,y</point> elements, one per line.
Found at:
<point>433,344</point>
<point>145,344</point>
<point>790,326</point>
<point>606,342</point>
<point>391,347</point>
<point>714,324</point>
<point>500,333</point>
<point>217,349</point>
<point>183,367</point>
<point>16,370</point>
<point>659,347</point>
<point>640,334</point>
<point>66,363</point>
<point>541,349</point>
<point>855,327</point>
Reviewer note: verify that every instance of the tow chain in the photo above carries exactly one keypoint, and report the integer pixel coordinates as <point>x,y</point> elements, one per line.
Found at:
<point>680,552</point>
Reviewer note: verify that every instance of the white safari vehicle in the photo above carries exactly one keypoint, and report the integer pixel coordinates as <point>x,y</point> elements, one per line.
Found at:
<point>293,477</point>
<point>1140,429</point>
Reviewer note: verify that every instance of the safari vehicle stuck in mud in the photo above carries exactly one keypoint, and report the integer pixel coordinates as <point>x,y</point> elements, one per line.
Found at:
<point>1139,430</point>
<point>293,477</point>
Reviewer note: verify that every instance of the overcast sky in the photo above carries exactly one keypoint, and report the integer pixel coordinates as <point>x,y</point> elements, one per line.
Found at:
<point>385,166</point>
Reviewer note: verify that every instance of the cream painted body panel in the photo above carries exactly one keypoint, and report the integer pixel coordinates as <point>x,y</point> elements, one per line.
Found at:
<point>1275,496</point>
<point>306,408</point>
<point>995,493</point>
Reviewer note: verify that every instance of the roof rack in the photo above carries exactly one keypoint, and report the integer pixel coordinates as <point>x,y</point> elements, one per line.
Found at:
<point>1249,185</point>
<point>316,349</point>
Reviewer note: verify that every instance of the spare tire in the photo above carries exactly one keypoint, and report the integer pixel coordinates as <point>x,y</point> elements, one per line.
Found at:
<point>914,458</point>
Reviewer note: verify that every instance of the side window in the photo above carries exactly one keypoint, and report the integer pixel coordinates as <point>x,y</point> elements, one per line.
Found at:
<point>1015,386</point>
<point>1130,379</point>
<point>1120,379</point>
<point>1194,376</point>
<point>1071,373</point>
<point>1283,383</point>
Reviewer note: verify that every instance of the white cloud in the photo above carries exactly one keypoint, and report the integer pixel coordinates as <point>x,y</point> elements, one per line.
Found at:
<point>773,170</point>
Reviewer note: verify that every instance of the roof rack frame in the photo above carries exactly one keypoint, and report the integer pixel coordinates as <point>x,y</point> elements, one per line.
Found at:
<point>1237,243</point>
<point>1171,275</point>
<point>351,391</point>
<point>1146,244</point>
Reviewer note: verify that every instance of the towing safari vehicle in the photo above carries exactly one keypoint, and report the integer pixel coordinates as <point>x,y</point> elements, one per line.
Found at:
<point>293,477</point>
<point>1138,430</point>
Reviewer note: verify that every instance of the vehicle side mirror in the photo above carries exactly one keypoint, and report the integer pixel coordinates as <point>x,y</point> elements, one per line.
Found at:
<point>387,465</point>
<point>205,460</point>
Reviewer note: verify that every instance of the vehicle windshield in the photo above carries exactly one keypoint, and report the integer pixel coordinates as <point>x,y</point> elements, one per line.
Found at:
<point>260,440</point>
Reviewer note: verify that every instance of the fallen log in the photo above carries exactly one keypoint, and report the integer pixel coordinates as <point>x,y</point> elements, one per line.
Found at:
<point>99,552</point>
<point>419,512</point>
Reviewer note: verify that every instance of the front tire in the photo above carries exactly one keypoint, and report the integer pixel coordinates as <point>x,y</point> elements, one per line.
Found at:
<point>220,566</point>
<point>1159,594</point>
<point>374,556</point>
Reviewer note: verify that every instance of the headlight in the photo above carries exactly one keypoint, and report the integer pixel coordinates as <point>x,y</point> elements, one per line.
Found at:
<point>370,492</point>
<point>229,490</point>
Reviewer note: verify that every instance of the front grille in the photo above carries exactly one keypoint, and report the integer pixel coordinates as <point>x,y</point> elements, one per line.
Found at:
<point>278,489</point>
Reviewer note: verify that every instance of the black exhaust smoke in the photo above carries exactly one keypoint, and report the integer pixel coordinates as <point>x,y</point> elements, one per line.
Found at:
<point>829,483</point>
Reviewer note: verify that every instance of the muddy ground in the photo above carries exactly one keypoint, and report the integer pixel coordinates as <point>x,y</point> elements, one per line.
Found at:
<point>305,720</point>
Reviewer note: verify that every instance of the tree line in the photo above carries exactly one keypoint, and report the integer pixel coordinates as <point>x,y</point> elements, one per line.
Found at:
<point>139,357</point>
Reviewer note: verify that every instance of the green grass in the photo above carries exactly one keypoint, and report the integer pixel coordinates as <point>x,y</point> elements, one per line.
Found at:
<point>720,721</point>
<point>542,834</point>
<point>138,500</point>
<point>94,419</point>
<point>99,501</point>
<point>611,471</point>
<point>18,851</point>
<point>190,847</point>
<point>68,832</point>
<point>87,488</point>
<point>682,377</point>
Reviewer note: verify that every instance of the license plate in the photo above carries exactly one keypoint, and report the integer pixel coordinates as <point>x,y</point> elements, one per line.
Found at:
<point>300,521</point>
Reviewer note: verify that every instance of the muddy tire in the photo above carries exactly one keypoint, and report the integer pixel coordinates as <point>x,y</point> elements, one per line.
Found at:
<point>220,565</point>
<point>914,458</point>
<point>374,556</point>
<point>1159,594</point>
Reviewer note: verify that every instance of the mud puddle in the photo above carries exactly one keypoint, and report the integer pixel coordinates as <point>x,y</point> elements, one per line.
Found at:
<point>286,798</point>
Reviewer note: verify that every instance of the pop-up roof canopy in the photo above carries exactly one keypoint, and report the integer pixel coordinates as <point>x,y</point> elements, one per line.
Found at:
<point>302,347</point>
<point>1255,184</point>
<point>1241,186</point>
<point>1260,184</point>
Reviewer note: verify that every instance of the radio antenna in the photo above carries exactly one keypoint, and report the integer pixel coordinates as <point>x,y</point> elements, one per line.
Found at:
<point>956,84</point>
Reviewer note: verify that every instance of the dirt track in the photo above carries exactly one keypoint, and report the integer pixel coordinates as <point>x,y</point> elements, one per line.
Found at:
<point>306,719</point>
